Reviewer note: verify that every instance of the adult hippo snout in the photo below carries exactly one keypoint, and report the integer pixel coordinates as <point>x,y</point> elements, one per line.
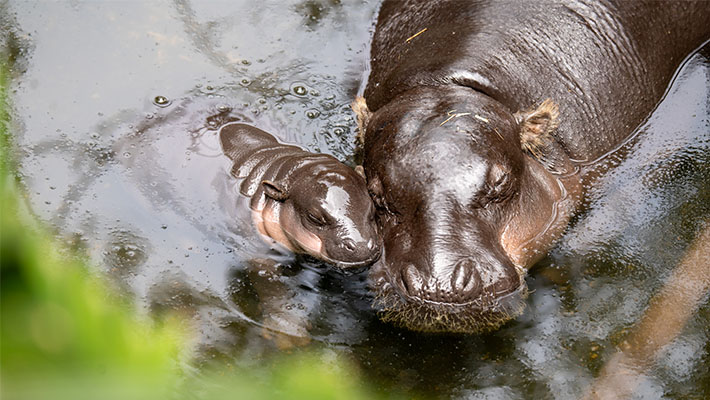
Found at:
<point>458,202</point>
<point>456,287</point>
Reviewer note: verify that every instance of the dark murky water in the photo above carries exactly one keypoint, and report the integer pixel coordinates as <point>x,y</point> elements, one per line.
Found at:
<point>118,109</point>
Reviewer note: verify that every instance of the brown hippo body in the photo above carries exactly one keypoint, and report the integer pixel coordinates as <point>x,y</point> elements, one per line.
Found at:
<point>473,173</point>
<point>309,203</point>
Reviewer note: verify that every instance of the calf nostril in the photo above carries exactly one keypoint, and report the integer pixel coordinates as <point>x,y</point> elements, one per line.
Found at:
<point>349,244</point>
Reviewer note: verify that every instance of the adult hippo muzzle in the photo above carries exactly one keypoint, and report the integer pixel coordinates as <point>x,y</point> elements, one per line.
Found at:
<point>473,170</point>
<point>309,203</point>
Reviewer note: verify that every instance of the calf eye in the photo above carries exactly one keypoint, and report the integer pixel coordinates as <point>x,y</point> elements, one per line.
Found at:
<point>316,219</point>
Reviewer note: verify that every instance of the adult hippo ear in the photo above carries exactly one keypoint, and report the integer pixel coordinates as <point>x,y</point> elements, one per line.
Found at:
<point>363,114</point>
<point>275,191</point>
<point>537,125</point>
<point>537,128</point>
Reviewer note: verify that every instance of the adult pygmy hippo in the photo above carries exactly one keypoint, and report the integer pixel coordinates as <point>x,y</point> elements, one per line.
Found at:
<point>473,172</point>
<point>310,203</point>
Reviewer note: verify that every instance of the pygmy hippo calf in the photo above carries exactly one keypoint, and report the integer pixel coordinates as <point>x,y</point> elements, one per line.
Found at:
<point>309,203</point>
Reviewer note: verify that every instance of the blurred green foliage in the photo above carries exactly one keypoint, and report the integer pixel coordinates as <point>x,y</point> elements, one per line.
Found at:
<point>64,335</point>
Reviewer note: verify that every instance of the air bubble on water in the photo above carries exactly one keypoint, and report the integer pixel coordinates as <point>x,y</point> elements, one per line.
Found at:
<point>246,62</point>
<point>315,93</point>
<point>245,82</point>
<point>161,101</point>
<point>223,108</point>
<point>127,155</point>
<point>163,226</point>
<point>261,100</point>
<point>312,113</point>
<point>299,89</point>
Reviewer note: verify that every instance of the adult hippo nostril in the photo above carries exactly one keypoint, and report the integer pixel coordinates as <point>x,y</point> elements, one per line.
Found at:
<point>465,280</point>
<point>412,281</point>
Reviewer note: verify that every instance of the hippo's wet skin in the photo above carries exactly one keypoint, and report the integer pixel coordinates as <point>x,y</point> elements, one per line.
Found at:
<point>473,173</point>
<point>310,203</point>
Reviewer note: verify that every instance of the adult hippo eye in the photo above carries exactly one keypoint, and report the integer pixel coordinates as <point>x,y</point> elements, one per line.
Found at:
<point>500,184</point>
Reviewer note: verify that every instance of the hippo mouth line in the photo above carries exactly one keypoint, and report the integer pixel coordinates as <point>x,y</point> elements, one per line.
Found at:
<point>349,266</point>
<point>485,313</point>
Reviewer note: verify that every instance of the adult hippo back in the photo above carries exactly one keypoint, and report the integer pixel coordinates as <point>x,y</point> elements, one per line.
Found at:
<point>473,172</point>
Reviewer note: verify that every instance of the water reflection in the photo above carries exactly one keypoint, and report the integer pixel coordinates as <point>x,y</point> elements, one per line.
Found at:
<point>145,190</point>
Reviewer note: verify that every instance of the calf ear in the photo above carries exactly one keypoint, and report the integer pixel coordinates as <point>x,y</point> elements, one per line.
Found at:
<point>360,171</point>
<point>274,190</point>
<point>537,125</point>
<point>363,114</point>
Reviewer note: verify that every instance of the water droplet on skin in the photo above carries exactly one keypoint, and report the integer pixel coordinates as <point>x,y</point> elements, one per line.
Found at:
<point>312,113</point>
<point>161,101</point>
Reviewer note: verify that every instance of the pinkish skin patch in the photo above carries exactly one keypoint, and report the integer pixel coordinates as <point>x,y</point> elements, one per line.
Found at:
<point>268,222</point>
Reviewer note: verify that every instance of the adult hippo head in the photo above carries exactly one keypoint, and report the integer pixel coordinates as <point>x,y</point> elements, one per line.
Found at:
<point>462,207</point>
<point>309,203</point>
